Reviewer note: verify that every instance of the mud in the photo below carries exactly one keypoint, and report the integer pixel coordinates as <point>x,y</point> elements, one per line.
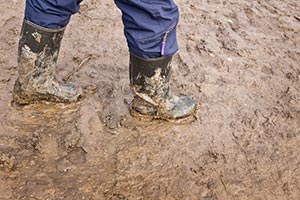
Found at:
<point>239,59</point>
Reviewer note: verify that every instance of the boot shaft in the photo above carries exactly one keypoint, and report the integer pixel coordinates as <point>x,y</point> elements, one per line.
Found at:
<point>37,37</point>
<point>38,50</point>
<point>150,77</point>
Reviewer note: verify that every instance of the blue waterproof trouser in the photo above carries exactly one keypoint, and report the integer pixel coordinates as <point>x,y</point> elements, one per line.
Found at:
<point>150,25</point>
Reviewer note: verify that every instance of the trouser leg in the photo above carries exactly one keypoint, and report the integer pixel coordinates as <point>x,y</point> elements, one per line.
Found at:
<point>52,14</point>
<point>150,30</point>
<point>150,26</point>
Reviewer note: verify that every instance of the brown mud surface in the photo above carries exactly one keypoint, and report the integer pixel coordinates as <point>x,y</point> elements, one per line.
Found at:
<point>239,59</point>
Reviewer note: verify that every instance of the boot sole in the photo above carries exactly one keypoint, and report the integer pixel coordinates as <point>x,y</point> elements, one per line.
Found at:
<point>21,100</point>
<point>148,118</point>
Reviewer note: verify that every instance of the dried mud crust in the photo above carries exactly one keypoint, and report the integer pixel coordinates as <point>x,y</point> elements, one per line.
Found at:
<point>240,60</point>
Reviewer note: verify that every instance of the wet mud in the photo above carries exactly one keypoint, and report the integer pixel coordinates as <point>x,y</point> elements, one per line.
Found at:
<point>239,59</point>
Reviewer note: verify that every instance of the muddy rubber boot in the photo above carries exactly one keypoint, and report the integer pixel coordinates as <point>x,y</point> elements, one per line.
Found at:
<point>149,79</point>
<point>37,57</point>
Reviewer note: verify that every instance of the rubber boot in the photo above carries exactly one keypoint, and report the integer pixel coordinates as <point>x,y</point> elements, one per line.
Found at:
<point>149,80</point>
<point>37,56</point>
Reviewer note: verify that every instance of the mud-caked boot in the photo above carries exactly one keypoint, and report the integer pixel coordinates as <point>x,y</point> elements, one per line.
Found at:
<point>37,56</point>
<point>149,80</point>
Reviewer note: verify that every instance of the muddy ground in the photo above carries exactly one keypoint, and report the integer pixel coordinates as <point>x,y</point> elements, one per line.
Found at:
<point>239,59</point>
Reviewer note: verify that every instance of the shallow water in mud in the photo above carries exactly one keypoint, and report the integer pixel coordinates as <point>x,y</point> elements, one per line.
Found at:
<point>240,60</point>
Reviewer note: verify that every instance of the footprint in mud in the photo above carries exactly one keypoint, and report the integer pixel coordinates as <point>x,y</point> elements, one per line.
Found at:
<point>44,117</point>
<point>41,128</point>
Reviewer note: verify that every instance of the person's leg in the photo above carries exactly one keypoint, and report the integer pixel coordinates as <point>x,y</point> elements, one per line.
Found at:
<point>53,14</point>
<point>150,26</point>
<point>150,30</point>
<point>39,44</point>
